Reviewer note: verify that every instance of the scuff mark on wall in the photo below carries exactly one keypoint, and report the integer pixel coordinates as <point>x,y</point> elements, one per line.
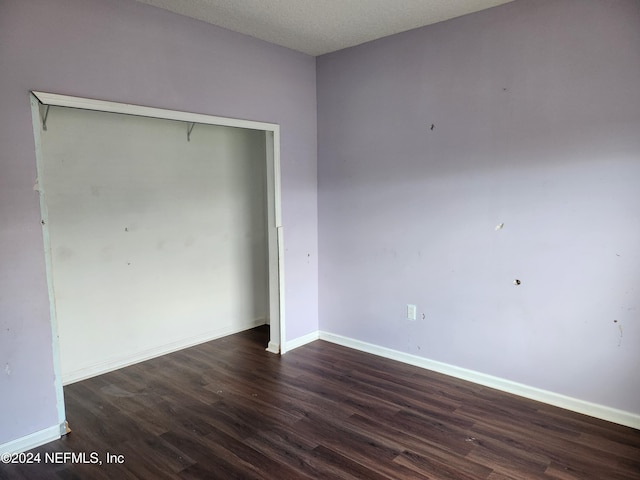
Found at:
<point>620,330</point>
<point>64,253</point>
<point>106,253</point>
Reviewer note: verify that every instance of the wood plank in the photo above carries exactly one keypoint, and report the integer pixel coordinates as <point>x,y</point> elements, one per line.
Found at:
<point>228,409</point>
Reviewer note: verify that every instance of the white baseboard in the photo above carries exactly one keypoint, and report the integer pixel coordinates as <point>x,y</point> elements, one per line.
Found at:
<point>273,347</point>
<point>32,440</point>
<point>300,341</point>
<point>125,361</point>
<point>568,403</point>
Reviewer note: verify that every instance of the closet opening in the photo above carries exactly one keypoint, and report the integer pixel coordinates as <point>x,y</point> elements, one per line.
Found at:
<point>162,229</point>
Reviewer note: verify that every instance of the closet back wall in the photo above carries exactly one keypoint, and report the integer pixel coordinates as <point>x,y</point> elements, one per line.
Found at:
<point>157,242</point>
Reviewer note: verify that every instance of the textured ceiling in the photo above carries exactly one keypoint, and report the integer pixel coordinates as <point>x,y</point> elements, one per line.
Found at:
<point>322,26</point>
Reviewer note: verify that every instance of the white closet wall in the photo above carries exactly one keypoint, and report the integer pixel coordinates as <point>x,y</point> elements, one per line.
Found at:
<point>157,242</point>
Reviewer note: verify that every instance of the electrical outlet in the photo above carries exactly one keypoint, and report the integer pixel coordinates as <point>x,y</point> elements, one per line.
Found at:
<point>411,312</point>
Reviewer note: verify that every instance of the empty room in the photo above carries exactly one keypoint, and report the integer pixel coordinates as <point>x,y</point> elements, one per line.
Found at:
<point>320,239</point>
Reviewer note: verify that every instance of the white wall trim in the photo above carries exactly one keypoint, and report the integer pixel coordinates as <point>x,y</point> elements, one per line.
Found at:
<point>303,340</point>
<point>569,403</point>
<point>57,371</point>
<point>32,440</point>
<point>273,347</point>
<point>274,240</point>
<point>279,287</point>
<point>125,361</point>
<point>129,109</point>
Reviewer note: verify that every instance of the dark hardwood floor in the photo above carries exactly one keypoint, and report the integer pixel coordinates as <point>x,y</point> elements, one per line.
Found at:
<point>227,409</point>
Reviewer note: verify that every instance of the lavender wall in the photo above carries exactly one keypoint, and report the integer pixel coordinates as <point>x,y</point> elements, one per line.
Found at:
<point>123,51</point>
<point>535,107</point>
